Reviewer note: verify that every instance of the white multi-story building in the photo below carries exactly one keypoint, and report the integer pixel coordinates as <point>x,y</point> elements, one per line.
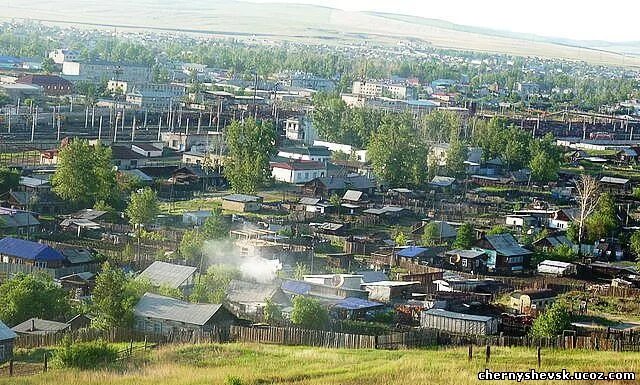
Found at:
<point>103,71</point>
<point>378,89</point>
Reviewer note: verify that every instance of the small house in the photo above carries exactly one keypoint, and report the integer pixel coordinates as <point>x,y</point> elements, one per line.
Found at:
<point>163,274</point>
<point>327,186</point>
<point>251,298</point>
<point>458,323</point>
<point>615,185</point>
<point>547,244</point>
<point>37,326</point>
<point>242,203</point>
<point>470,261</point>
<point>22,252</point>
<point>389,291</point>
<point>195,218</point>
<point>7,336</point>
<point>164,315</point>
<point>557,268</point>
<point>506,256</point>
<point>297,172</point>
<point>528,300</point>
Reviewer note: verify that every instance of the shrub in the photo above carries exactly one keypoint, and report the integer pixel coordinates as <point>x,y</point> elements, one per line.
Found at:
<point>233,380</point>
<point>309,313</point>
<point>84,355</point>
<point>552,322</point>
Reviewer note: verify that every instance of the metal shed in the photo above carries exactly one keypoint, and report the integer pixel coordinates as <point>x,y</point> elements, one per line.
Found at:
<point>458,322</point>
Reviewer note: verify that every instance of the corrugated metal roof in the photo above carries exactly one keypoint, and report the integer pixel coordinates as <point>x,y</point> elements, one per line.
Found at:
<point>357,304</point>
<point>248,292</point>
<point>411,251</point>
<point>29,250</point>
<point>39,326</point>
<point>612,180</point>
<point>373,276</point>
<point>6,333</point>
<point>352,195</point>
<point>241,198</point>
<point>506,244</point>
<point>454,315</point>
<point>159,307</point>
<point>296,287</point>
<point>442,181</point>
<point>167,274</point>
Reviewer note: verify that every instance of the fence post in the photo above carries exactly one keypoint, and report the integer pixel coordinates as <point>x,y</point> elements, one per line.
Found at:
<point>145,342</point>
<point>11,368</point>
<point>46,362</point>
<point>470,352</point>
<point>131,347</point>
<point>488,358</point>
<point>539,356</point>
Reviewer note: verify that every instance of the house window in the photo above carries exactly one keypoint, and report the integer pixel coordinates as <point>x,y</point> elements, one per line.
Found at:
<point>464,263</point>
<point>2,353</point>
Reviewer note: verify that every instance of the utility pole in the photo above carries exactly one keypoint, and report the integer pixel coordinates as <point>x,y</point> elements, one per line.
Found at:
<point>159,127</point>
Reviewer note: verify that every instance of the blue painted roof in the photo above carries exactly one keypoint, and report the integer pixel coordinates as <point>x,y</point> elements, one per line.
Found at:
<point>411,252</point>
<point>29,250</point>
<point>296,287</point>
<point>357,304</point>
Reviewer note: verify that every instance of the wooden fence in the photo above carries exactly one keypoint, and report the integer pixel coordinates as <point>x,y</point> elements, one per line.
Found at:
<point>217,335</point>
<point>306,337</point>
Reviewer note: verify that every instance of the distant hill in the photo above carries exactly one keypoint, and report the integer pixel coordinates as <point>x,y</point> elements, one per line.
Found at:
<point>310,23</point>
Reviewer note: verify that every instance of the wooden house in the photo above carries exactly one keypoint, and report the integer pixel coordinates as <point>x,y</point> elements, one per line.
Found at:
<point>163,315</point>
<point>250,298</point>
<point>470,261</point>
<point>22,252</point>
<point>36,326</point>
<point>163,274</point>
<point>7,336</point>
<point>506,256</point>
<point>327,186</point>
<point>242,203</point>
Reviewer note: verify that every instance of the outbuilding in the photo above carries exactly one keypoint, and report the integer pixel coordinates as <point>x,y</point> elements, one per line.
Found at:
<point>459,323</point>
<point>7,336</point>
<point>242,203</point>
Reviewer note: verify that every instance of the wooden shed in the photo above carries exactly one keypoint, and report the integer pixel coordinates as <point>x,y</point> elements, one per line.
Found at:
<point>458,322</point>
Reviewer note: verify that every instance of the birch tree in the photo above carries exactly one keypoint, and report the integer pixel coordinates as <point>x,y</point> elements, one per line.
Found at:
<point>588,197</point>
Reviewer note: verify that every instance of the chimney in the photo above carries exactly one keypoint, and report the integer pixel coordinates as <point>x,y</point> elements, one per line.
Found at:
<point>33,325</point>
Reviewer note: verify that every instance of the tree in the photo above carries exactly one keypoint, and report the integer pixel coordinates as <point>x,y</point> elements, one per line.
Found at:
<point>587,197</point>
<point>603,221</point>
<point>190,247</point>
<point>545,160</point>
<point>431,234</point>
<point>9,179</point>
<point>143,207</point>
<point>465,237</point>
<point>48,65</point>
<point>498,229</point>
<point>272,312</point>
<point>397,156</point>
<point>456,156</point>
<point>634,243</point>
<point>212,286</point>
<point>439,125</point>
<point>552,321</point>
<point>308,313</point>
<point>84,174</point>
<point>33,295</point>
<point>216,226</point>
<point>400,239</point>
<point>563,253</point>
<point>251,144</point>
<point>113,298</point>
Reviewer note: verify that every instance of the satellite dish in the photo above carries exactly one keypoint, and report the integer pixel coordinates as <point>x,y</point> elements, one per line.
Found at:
<point>337,280</point>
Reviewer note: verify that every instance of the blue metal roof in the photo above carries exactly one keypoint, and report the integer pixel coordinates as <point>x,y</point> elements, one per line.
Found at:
<point>411,252</point>
<point>29,250</point>
<point>357,304</point>
<point>296,287</point>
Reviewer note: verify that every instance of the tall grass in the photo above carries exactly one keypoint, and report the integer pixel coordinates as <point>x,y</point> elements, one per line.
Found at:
<point>266,364</point>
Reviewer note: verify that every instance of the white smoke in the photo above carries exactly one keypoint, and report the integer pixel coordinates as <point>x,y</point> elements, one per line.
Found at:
<point>252,267</point>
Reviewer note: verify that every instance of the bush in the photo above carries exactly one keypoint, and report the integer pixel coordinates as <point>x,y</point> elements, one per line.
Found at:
<point>233,380</point>
<point>84,355</point>
<point>309,313</point>
<point>552,322</point>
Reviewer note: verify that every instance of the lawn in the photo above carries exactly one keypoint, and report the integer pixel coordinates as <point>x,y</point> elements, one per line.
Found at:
<point>179,207</point>
<point>268,364</point>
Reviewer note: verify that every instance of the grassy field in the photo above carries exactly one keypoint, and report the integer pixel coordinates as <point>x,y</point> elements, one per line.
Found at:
<point>265,364</point>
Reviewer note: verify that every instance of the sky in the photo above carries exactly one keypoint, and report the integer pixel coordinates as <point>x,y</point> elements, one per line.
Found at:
<point>612,20</point>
